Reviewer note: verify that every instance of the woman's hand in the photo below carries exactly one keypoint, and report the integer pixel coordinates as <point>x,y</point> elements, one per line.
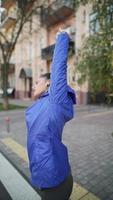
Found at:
<point>62,31</point>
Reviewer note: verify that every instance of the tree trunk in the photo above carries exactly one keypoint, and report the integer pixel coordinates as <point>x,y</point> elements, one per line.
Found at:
<point>4,77</point>
<point>5,103</point>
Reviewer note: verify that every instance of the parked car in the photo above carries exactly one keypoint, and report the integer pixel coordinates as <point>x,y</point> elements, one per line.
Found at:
<point>10,92</point>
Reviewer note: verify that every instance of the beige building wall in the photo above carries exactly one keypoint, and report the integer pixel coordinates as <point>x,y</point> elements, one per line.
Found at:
<point>82,31</point>
<point>32,41</point>
<point>28,56</point>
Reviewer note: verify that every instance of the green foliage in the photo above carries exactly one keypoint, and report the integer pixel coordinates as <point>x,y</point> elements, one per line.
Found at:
<point>95,58</point>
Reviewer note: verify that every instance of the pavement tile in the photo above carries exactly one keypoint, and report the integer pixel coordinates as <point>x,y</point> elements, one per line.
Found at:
<point>78,192</point>
<point>104,196</point>
<point>88,186</point>
<point>83,181</point>
<point>95,189</point>
<point>90,196</point>
<point>111,196</point>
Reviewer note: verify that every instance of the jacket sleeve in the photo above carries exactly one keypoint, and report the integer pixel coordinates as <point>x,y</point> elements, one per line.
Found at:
<point>58,87</point>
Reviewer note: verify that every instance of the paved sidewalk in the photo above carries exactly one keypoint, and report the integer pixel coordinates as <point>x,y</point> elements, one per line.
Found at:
<point>79,108</point>
<point>90,143</point>
<point>20,157</point>
<point>20,102</point>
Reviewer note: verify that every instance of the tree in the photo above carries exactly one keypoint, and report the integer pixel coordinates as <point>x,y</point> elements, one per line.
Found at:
<point>95,58</point>
<point>23,10</point>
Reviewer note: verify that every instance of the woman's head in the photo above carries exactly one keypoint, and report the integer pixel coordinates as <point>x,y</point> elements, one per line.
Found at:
<point>41,85</point>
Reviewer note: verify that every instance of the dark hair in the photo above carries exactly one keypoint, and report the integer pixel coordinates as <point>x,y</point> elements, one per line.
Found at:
<point>46,75</point>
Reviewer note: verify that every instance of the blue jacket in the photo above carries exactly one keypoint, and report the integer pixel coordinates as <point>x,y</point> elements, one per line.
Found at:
<point>48,156</point>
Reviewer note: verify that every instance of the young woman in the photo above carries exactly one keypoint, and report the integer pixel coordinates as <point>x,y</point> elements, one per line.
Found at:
<point>48,156</point>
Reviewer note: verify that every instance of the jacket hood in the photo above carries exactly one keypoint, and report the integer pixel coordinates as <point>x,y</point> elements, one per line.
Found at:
<point>72,94</point>
<point>45,94</point>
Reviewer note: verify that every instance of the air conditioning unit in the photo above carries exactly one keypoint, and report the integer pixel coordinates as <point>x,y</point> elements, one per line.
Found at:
<point>70,30</point>
<point>3,15</point>
<point>2,10</point>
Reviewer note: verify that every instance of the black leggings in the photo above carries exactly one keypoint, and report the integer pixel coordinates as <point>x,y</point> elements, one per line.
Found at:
<point>61,192</point>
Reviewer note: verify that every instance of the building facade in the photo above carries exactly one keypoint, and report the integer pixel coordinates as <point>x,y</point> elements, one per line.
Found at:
<point>82,32</point>
<point>7,21</point>
<point>35,46</point>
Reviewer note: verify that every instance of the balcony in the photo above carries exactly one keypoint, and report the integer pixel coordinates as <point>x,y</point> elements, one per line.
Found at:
<point>8,23</point>
<point>47,53</point>
<point>8,19</point>
<point>8,3</point>
<point>57,11</point>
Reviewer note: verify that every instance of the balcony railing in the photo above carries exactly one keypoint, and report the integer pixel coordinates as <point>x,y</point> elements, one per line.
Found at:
<point>47,53</point>
<point>8,19</point>
<point>8,23</point>
<point>57,11</point>
<point>7,3</point>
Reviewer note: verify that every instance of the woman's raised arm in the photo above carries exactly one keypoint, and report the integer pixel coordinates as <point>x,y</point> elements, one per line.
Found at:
<point>58,87</point>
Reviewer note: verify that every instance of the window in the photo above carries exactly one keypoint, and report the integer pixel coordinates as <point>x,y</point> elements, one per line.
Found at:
<point>109,17</point>
<point>21,52</point>
<point>94,20</point>
<point>94,23</point>
<point>30,51</point>
<point>83,36</point>
<point>84,17</point>
<point>73,78</point>
<point>41,70</point>
<point>30,42</point>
